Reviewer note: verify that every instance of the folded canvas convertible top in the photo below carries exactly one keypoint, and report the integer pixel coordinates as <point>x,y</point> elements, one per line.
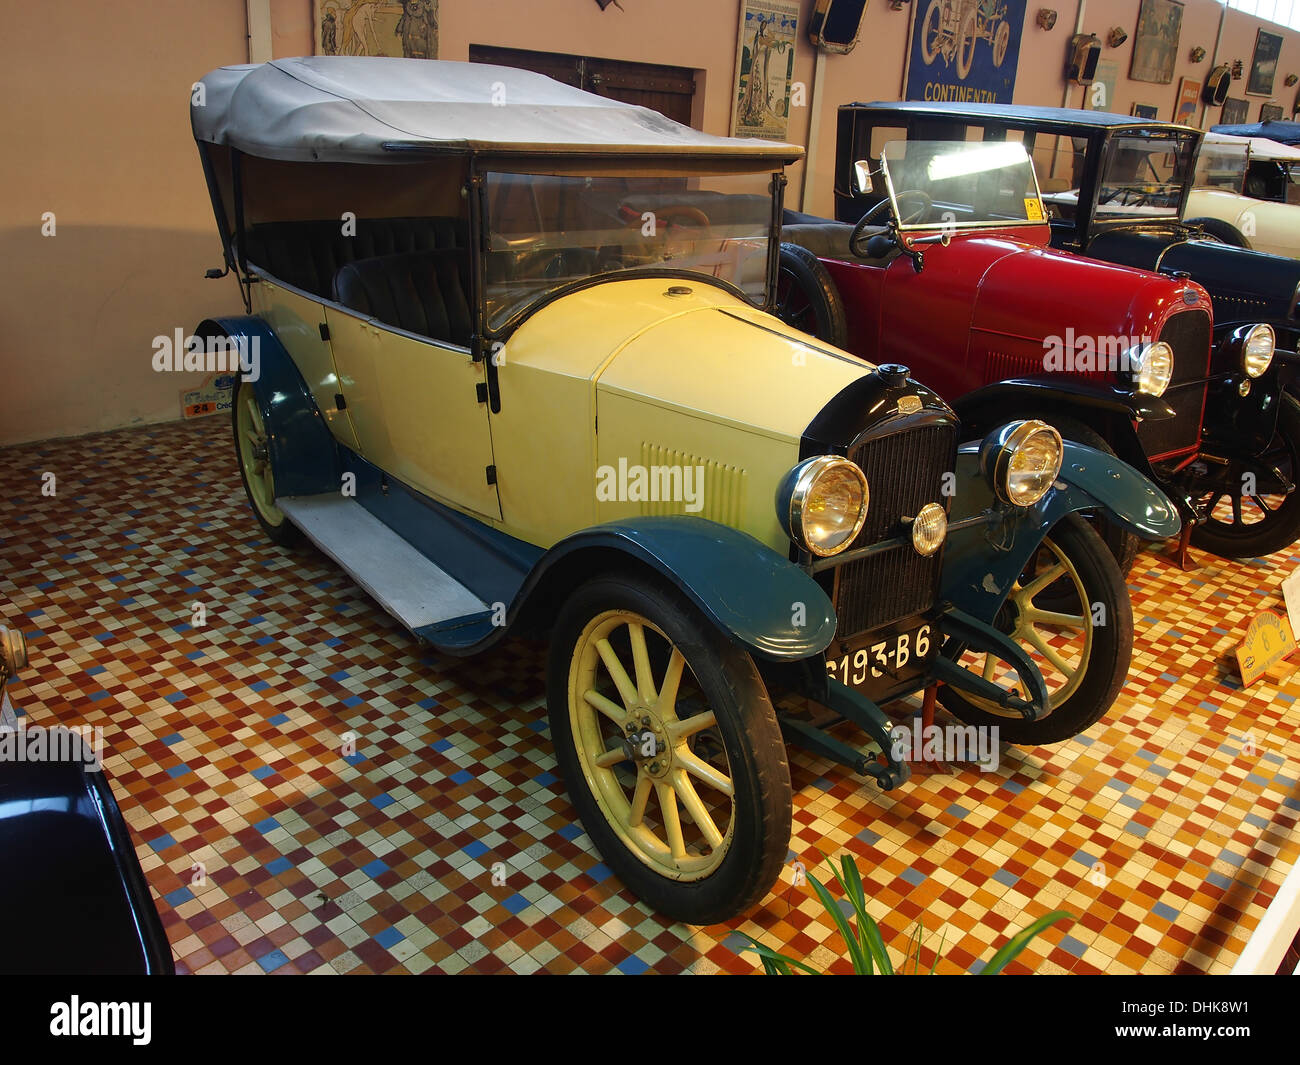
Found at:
<point>360,108</point>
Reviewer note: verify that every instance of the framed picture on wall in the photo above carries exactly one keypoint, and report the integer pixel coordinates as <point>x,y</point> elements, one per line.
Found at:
<point>1147,111</point>
<point>1234,112</point>
<point>1270,112</point>
<point>1263,67</point>
<point>764,68</point>
<point>398,28</point>
<point>1100,95</point>
<point>1155,41</point>
<point>1189,98</point>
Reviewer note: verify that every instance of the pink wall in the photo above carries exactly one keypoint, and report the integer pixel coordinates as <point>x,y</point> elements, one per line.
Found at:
<point>98,133</point>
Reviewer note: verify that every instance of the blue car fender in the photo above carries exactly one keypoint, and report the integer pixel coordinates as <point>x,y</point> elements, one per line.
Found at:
<point>304,457</point>
<point>990,543</point>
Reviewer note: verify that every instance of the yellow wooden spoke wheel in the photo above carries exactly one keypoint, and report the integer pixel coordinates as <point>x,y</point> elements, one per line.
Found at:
<point>253,451</point>
<point>667,739</point>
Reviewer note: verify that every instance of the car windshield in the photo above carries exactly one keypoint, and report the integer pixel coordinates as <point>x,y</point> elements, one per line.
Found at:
<point>1221,165</point>
<point>547,231</point>
<point>961,184</point>
<point>1143,175</point>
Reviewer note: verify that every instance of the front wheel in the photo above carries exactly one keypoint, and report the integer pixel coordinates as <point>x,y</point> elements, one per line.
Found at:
<point>665,735</point>
<point>930,31</point>
<point>1070,611</point>
<point>1254,505</point>
<point>1001,38</point>
<point>252,450</point>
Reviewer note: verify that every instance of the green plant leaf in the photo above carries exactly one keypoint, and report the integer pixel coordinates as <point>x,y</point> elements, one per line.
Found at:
<point>1013,946</point>
<point>861,959</point>
<point>774,962</point>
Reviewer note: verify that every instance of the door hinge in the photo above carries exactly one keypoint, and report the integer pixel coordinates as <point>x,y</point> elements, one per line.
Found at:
<point>324,331</point>
<point>481,391</point>
<point>340,402</point>
<point>491,475</point>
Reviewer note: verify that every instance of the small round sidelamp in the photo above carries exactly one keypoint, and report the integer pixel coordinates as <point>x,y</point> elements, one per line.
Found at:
<point>929,529</point>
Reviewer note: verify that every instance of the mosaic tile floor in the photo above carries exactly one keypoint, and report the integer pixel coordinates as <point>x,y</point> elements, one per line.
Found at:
<point>311,791</point>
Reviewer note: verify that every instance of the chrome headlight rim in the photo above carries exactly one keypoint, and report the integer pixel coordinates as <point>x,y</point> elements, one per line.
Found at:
<point>1000,448</point>
<point>1261,364</point>
<point>13,652</point>
<point>1140,360</point>
<point>800,481</point>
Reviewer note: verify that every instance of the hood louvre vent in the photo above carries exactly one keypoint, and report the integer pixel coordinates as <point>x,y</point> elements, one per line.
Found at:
<point>717,490</point>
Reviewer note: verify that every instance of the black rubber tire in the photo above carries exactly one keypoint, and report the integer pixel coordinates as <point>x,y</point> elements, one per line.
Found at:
<point>807,298</point>
<point>1266,537</point>
<point>1123,544</point>
<point>1223,232</point>
<point>282,532</point>
<point>750,736</point>
<point>1108,663</point>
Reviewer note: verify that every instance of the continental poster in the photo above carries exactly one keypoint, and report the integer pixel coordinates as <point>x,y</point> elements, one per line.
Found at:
<point>965,50</point>
<point>764,68</point>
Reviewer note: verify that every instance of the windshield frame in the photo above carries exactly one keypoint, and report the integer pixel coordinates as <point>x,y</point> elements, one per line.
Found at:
<point>956,226</point>
<point>632,166</point>
<point>1109,147</point>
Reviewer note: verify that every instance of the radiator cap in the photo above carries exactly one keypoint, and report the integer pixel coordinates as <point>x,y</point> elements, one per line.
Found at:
<point>892,373</point>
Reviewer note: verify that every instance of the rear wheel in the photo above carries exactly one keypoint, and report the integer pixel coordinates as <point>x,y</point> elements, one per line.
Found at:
<point>1254,506</point>
<point>1071,613</point>
<point>665,735</point>
<point>252,450</point>
<point>930,31</point>
<point>807,299</point>
<point>966,42</point>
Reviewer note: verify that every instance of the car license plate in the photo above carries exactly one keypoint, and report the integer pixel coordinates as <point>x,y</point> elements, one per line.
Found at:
<point>884,661</point>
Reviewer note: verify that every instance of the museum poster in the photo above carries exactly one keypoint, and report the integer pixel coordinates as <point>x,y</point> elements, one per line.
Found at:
<point>764,68</point>
<point>399,28</point>
<point>965,50</point>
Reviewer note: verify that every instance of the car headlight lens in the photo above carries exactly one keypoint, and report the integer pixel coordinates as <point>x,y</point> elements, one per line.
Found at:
<point>1153,366</point>
<point>1021,461</point>
<point>929,528</point>
<point>1257,352</point>
<point>822,504</point>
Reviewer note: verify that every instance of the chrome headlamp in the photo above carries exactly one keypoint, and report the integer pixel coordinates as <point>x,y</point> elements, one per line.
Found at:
<point>822,504</point>
<point>1152,367</point>
<point>13,652</point>
<point>1257,346</point>
<point>1021,461</point>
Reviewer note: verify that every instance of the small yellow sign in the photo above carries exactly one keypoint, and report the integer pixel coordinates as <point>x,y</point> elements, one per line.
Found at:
<point>1268,641</point>
<point>1033,208</point>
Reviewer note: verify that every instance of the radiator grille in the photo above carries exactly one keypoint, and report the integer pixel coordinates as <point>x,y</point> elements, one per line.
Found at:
<point>1188,333</point>
<point>905,470</point>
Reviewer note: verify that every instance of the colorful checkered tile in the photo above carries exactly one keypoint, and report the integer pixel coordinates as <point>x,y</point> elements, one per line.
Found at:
<point>313,791</point>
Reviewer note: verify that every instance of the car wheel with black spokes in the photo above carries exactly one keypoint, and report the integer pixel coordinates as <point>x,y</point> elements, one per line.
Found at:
<point>1253,504</point>
<point>1070,611</point>
<point>670,748</point>
<point>253,452</point>
<point>806,297</point>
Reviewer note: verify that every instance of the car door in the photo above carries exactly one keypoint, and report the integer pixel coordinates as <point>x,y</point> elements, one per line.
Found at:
<point>415,406</point>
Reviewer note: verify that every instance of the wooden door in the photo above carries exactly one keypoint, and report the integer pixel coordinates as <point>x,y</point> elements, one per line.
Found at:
<point>668,90</point>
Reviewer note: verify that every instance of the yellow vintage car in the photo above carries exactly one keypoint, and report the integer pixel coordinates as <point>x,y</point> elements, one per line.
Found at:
<point>508,358</point>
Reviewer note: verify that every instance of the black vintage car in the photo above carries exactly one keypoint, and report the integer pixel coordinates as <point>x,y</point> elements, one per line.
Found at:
<point>72,887</point>
<point>1116,188</point>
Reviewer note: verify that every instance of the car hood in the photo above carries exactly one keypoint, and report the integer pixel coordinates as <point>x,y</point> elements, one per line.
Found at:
<point>702,355</point>
<point>1245,285</point>
<point>1031,293</point>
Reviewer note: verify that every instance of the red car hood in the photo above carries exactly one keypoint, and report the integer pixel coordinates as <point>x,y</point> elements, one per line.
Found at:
<point>1031,292</point>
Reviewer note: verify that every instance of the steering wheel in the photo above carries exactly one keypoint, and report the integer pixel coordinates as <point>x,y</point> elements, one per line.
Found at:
<point>868,220</point>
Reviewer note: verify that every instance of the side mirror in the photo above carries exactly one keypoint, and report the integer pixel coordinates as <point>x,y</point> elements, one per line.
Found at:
<point>862,176</point>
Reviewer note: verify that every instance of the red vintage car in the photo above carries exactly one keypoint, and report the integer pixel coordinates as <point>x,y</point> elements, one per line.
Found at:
<point>950,273</point>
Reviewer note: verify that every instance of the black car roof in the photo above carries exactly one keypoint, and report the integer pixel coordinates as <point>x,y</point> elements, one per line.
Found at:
<point>1015,114</point>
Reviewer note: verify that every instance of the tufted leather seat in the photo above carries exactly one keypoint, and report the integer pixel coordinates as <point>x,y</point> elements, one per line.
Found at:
<point>423,292</point>
<point>308,255</point>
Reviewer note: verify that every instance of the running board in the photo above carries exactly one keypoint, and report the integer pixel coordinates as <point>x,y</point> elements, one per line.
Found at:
<point>404,582</point>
